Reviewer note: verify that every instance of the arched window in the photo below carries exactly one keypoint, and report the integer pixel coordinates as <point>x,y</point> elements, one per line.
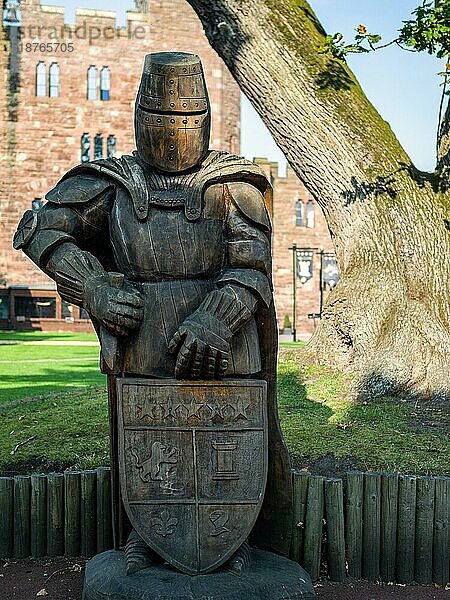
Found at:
<point>41,79</point>
<point>111,146</point>
<point>98,146</point>
<point>54,80</point>
<point>299,213</point>
<point>11,14</point>
<point>105,83</point>
<point>142,6</point>
<point>37,204</point>
<point>92,81</point>
<point>85,147</point>
<point>310,214</point>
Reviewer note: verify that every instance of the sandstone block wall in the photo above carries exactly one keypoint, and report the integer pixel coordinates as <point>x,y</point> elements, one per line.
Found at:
<point>40,137</point>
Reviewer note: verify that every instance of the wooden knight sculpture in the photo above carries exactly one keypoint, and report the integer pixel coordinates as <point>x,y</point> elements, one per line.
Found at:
<point>169,252</point>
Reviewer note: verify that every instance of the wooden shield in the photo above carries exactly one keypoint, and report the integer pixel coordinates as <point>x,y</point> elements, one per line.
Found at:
<point>193,465</point>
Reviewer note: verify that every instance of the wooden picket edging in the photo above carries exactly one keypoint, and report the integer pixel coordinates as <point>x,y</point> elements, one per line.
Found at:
<point>375,526</point>
<point>56,514</point>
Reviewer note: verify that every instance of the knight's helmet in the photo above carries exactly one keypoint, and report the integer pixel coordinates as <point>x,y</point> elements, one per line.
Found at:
<point>172,115</point>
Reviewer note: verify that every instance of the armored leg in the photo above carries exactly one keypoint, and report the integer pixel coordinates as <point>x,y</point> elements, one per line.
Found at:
<point>241,560</point>
<point>138,555</point>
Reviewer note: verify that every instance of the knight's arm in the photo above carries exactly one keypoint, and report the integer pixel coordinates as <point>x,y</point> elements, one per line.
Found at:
<point>62,236</point>
<point>244,285</point>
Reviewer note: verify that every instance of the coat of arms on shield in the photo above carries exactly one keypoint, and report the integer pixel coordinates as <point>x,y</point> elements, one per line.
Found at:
<point>193,462</point>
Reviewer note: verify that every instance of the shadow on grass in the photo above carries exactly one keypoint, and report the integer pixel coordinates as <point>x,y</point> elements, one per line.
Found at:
<point>40,336</point>
<point>15,387</point>
<point>55,431</point>
<point>293,398</point>
<point>329,432</point>
<point>37,336</point>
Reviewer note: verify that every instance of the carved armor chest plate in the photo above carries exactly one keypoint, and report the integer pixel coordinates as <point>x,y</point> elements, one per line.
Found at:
<point>166,245</point>
<point>193,465</point>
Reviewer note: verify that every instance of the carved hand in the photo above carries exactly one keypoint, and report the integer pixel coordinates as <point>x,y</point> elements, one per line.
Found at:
<point>119,310</point>
<point>203,346</point>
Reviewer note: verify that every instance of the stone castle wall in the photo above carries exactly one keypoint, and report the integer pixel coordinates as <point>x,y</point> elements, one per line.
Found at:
<point>47,133</point>
<point>40,137</point>
<point>288,191</point>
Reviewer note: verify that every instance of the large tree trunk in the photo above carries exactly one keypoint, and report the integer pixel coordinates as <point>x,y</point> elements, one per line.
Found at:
<point>388,319</point>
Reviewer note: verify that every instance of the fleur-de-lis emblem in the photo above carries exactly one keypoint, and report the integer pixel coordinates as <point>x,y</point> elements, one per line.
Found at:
<point>164,524</point>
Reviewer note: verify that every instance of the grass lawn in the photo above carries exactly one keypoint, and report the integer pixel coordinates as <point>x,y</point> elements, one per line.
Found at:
<point>59,408</point>
<point>55,395</point>
<point>27,371</point>
<point>325,430</point>
<point>37,336</point>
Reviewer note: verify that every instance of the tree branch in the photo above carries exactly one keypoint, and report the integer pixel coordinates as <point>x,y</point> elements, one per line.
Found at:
<point>271,48</point>
<point>443,143</point>
<point>312,104</point>
<point>388,318</point>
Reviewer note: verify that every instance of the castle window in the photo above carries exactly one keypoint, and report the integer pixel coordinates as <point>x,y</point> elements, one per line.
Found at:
<point>92,81</point>
<point>36,204</point>
<point>299,213</point>
<point>105,83</point>
<point>98,146</point>
<point>35,308</point>
<point>54,80</point>
<point>142,6</point>
<point>41,79</point>
<point>310,214</point>
<point>111,146</point>
<point>85,147</point>
<point>67,311</point>
<point>4,307</point>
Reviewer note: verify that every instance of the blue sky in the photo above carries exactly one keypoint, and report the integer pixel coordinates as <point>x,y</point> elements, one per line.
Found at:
<point>404,87</point>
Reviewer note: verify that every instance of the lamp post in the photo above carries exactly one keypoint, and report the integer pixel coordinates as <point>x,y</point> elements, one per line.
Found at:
<point>321,282</point>
<point>294,290</point>
<point>314,252</point>
<point>328,275</point>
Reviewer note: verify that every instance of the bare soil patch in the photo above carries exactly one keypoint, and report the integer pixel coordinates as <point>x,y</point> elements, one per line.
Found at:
<point>62,579</point>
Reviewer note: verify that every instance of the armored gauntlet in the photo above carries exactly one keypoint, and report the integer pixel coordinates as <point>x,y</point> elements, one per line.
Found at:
<point>81,279</point>
<point>203,339</point>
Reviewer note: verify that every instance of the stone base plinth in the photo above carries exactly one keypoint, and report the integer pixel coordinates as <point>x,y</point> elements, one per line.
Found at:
<point>270,577</point>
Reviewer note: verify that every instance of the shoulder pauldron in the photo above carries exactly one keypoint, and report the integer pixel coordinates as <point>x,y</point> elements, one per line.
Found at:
<point>250,202</point>
<point>78,189</point>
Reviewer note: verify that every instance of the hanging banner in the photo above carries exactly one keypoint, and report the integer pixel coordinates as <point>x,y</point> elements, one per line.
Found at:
<point>330,270</point>
<point>304,261</point>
